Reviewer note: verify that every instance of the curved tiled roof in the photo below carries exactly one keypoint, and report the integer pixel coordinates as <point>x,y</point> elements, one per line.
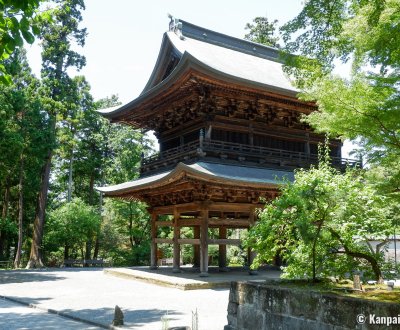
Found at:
<point>235,175</point>
<point>216,54</point>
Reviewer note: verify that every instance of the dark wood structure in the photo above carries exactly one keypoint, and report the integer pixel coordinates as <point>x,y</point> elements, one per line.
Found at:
<point>228,124</point>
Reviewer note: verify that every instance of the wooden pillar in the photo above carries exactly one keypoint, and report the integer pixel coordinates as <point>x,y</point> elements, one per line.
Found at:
<point>204,243</point>
<point>251,135</point>
<point>153,247</point>
<point>196,248</point>
<point>177,250</point>
<point>250,253</point>
<point>307,144</point>
<point>222,251</point>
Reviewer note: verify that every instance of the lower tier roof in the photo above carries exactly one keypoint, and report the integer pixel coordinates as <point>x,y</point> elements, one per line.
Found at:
<point>212,172</point>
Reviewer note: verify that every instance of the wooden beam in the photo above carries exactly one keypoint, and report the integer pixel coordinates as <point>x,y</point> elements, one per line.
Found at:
<point>190,222</point>
<point>229,222</point>
<point>168,209</point>
<point>164,223</point>
<point>193,241</point>
<point>181,208</point>
<point>233,207</point>
<point>163,241</point>
<point>224,241</point>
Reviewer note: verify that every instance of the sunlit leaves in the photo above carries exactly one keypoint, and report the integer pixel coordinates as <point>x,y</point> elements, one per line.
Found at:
<point>319,217</point>
<point>365,103</point>
<point>18,23</point>
<point>263,32</point>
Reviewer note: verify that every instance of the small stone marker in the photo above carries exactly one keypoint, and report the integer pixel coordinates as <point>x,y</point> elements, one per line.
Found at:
<point>390,285</point>
<point>118,317</point>
<point>356,282</point>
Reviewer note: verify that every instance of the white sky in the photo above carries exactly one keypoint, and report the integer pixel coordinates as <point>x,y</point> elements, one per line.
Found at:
<point>124,36</point>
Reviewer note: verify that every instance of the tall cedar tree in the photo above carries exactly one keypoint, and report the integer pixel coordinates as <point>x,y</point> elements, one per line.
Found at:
<point>22,144</point>
<point>57,57</point>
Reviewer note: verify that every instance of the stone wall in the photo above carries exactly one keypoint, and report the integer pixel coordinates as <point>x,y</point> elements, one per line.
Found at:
<point>255,306</point>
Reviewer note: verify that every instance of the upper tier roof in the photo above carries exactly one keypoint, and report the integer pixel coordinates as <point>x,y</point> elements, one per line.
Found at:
<point>187,46</point>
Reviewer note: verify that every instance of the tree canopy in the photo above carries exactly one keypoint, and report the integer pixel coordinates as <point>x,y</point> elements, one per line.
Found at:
<point>263,31</point>
<point>321,225</point>
<point>365,104</point>
<point>19,21</point>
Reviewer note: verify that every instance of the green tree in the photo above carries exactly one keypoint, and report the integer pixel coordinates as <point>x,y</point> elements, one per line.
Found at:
<point>23,135</point>
<point>57,55</point>
<point>364,105</point>
<point>321,225</point>
<point>131,223</point>
<point>263,32</point>
<point>19,21</point>
<point>71,225</point>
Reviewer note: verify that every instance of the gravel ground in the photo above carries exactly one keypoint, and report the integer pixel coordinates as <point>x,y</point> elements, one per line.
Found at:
<point>92,295</point>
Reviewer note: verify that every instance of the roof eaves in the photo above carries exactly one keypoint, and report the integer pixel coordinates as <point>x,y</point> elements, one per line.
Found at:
<point>177,172</point>
<point>179,69</point>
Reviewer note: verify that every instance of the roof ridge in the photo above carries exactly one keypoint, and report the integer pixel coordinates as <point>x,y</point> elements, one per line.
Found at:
<point>185,29</point>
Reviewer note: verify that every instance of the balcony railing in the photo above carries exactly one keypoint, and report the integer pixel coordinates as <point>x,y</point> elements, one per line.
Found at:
<point>246,154</point>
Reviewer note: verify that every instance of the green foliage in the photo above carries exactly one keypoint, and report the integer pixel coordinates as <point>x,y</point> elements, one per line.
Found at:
<point>263,32</point>
<point>19,21</point>
<point>235,256</point>
<point>321,224</point>
<point>125,234</point>
<point>72,224</point>
<point>23,143</point>
<point>365,105</point>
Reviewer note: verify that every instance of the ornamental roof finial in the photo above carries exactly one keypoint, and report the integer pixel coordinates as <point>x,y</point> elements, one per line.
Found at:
<point>175,25</point>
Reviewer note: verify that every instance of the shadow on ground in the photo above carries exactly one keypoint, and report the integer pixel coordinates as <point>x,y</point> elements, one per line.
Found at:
<point>40,275</point>
<point>21,276</point>
<point>27,300</point>
<point>36,321</point>
<point>136,318</point>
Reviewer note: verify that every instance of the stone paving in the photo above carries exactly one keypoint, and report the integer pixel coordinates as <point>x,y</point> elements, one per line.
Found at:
<point>15,316</point>
<point>91,295</point>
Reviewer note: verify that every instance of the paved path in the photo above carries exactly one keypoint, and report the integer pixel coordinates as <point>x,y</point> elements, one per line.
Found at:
<point>16,316</point>
<point>92,295</point>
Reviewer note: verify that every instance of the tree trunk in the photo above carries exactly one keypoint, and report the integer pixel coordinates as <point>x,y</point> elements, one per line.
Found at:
<point>91,189</point>
<point>35,258</point>
<point>314,270</point>
<point>88,250</point>
<point>130,226</point>
<point>69,194</point>
<point>4,214</point>
<point>360,255</point>
<point>17,260</point>
<point>66,251</point>
<point>96,247</point>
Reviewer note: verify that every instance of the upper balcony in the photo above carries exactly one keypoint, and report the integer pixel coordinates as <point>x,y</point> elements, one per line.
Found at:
<point>228,152</point>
